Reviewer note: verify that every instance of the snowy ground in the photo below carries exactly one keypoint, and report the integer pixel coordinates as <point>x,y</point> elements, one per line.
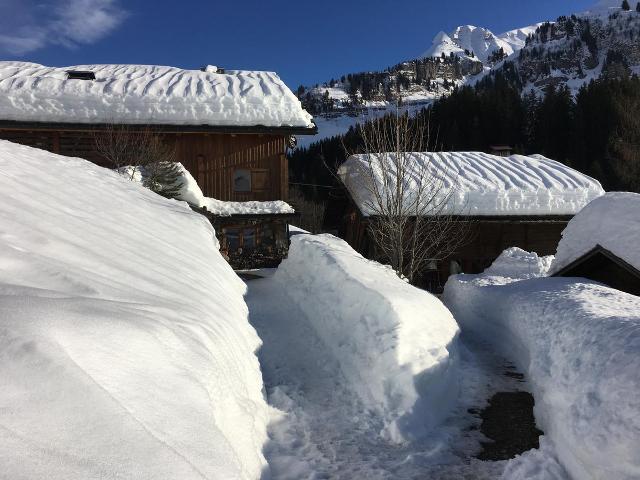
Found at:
<point>578,341</point>
<point>318,429</point>
<point>338,123</point>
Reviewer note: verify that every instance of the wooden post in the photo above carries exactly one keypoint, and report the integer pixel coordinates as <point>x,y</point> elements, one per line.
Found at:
<point>56,142</point>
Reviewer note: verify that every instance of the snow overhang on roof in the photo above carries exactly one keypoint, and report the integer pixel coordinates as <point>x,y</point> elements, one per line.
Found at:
<point>150,95</point>
<point>611,222</point>
<point>477,184</point>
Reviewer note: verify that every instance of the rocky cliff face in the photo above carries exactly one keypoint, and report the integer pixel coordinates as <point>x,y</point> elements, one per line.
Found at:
<point>574,50</point>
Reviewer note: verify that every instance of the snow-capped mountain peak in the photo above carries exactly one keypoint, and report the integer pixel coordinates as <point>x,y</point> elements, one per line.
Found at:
<point>480,41</point>
<point>517,38</point>
<point>443,43</point>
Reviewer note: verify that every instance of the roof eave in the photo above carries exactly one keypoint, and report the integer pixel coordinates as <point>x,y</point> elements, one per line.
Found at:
<point>513,218</point>
<point>590,254</point>
<point>164,128</point>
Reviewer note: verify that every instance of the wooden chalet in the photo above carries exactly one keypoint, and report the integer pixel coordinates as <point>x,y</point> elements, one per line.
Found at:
<point>601,243</point>
<point>502,202</point>
<point>603,266</point>
<point>230,130</point>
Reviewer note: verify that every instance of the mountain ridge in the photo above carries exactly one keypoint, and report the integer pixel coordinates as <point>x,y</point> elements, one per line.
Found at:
<point>571,51</point>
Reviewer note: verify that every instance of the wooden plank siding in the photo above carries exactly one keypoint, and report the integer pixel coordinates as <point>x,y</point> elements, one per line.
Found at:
<point>487,238</point>
<point>211,158</point>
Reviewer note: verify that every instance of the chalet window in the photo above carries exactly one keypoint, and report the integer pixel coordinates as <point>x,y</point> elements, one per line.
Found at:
<point>241,239</point>
<point>249,238</point>
<point>267,238</point>
<point>242,180</point>
<point>80,75</point>
<point>255,180</point>
<point>260,180</point>
<point>232,237</point>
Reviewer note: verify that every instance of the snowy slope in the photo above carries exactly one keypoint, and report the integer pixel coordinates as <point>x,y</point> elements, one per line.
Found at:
<point>475,183</point>
<point>443,44</point>
<point>147,94</point>
<point>605,7</point>
<point>518,37</point>
<point>396,344</point>
<point>557,55</point>
<point>579,344</point>
<point>125,350</point>
<point>617,212</point>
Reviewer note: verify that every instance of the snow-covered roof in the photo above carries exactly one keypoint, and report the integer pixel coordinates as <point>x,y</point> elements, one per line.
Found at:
<point>148,94</point>
<point>475,183</point>
<point>611,221</point>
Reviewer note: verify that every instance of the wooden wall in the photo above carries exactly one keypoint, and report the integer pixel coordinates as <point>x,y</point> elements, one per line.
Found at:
<point>213,158</point>
<point>210,157</point>
<point>489,238</point>
<point>486,239</point>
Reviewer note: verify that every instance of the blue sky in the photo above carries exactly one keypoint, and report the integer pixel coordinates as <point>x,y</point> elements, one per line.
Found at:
<point>304,41</point>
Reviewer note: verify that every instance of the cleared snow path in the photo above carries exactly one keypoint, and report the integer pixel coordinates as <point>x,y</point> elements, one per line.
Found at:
<point>318,429</point>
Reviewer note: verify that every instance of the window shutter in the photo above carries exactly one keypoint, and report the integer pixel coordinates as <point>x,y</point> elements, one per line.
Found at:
<point>260,180</point>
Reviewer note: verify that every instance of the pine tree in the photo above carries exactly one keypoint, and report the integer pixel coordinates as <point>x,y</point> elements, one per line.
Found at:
<point>625,5</point>
<point>638,7</point>
<point>163,178</point>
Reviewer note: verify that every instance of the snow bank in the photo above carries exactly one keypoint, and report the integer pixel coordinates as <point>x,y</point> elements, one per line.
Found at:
<point>190,192</point>
<point>612,221</point>
<point>579,343</point>
<point>247,208</point>
<point>148,95</point>
<point>519,264</point>
<point>540,464</point>
<point>125,350</point>
<point>396,344</point>
<point>476,183</point>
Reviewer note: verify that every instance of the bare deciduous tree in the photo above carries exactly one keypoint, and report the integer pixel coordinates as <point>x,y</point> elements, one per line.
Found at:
<point>412,222</point>
<point>141,152</point>
<point>311,212</point>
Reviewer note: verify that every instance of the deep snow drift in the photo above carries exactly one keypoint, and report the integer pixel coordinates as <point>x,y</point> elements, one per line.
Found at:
<point>579,344</point>
<point>396,344</point>
<point>475,183</point>
<point>612,221</point>
<point>147,95</point>
<point>125,350</point>
<point>323,423</point>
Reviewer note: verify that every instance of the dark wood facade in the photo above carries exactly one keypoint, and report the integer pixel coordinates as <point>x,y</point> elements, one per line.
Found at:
<point>486,239</point>
<point>216,157</point>
<point>211,157</point>
<point>252,241</point>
